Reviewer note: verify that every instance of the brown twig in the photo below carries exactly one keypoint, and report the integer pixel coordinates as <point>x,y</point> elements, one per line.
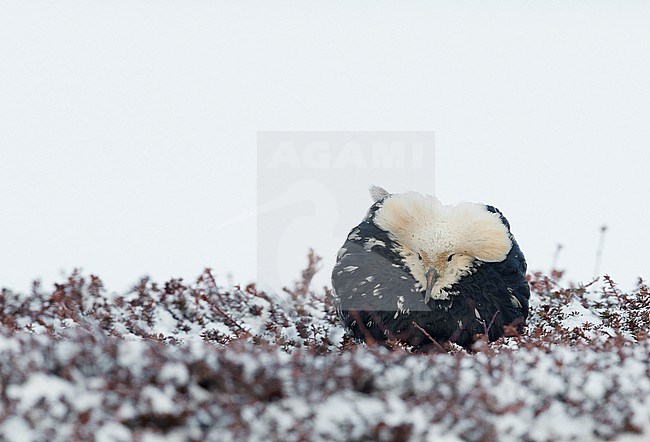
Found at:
<point>416,325</point>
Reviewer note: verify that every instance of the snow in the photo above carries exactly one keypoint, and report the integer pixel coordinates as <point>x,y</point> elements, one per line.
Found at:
<point>160,401</point>
<point>130,355</point>
<point>16,429</point>
<point>175,373</point>
<point>556,423</point>
<point>39,385</point>
<point>595,386</point>
<point>346,412</point>
<point>205,363</point>
<point>113,432</point>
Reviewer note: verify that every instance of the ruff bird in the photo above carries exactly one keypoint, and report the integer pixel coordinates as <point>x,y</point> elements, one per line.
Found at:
<point>418,271</point>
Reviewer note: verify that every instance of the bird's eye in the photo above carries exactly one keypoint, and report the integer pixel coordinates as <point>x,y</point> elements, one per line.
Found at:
<point>419,257</point>
<point>450,256</point>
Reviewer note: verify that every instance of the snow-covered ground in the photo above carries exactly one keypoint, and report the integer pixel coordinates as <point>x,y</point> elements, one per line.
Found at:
<point>202,362</point>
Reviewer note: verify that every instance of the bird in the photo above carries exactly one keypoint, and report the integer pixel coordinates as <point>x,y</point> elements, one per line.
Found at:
<point>426,274</point>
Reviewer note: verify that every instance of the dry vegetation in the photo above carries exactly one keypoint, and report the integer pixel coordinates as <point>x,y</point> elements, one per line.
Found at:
<point>202,362</point>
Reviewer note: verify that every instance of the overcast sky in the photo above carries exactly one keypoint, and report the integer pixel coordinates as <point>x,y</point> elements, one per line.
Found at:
<point>128,130</point>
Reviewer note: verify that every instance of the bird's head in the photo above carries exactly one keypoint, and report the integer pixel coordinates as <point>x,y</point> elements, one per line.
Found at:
<point>441,243</point>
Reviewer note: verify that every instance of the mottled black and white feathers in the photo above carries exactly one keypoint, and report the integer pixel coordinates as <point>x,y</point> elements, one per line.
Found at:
<point>455,271</point>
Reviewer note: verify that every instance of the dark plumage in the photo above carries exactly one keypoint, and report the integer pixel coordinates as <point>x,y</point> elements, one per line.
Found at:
<point>456,271</point>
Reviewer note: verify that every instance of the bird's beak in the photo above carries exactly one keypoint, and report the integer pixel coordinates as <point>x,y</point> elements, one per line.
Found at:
<point>432,275</point>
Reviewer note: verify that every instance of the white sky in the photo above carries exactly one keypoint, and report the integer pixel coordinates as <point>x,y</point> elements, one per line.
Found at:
<point>128,129</point>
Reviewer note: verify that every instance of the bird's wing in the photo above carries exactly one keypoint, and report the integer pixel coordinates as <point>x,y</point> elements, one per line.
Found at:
<point>513,272</point>
<point>366,280</point>
<point>513,269</point>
